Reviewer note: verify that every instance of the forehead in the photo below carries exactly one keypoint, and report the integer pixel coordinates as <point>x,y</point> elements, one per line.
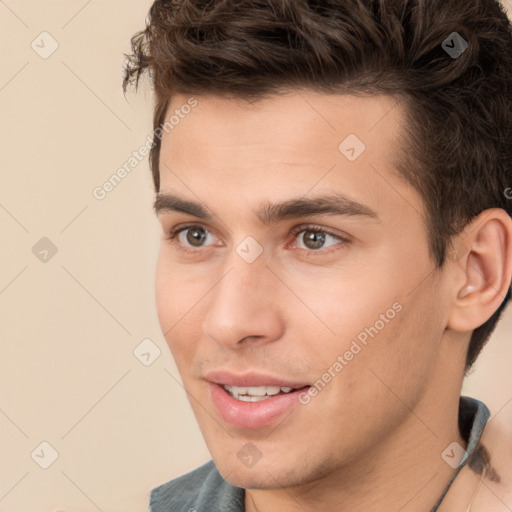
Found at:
<point>293,123</point>
<point>296,144</point>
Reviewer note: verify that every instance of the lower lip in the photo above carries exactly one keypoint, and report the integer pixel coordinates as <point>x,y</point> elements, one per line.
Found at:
<point>252,414</point>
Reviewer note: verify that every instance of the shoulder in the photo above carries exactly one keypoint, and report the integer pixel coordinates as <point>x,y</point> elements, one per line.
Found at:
<point>201,489</point>
<point>495,494</point>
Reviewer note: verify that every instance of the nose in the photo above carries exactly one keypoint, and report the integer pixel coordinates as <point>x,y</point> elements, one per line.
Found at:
<point>245,305</point>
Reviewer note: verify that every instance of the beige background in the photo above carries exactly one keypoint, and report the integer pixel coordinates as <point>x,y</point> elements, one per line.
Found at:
<point>70,325</point>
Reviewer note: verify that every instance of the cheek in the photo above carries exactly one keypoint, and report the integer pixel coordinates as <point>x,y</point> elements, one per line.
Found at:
<point>165,286</point>
<point>375,379</point>
<point>348,307</point>
<point>374,322</point>
<point>176,294</point>
<point>400,359</point>
<point>174,302</point>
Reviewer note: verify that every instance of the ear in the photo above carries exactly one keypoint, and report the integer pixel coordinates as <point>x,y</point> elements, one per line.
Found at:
<point>482,269</point>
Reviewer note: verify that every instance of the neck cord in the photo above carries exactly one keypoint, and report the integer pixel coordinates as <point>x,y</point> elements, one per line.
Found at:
<point>438,503</point>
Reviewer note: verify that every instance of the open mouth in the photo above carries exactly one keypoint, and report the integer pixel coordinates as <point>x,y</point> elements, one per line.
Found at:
<point>257,393</point>
<point>253,407</point>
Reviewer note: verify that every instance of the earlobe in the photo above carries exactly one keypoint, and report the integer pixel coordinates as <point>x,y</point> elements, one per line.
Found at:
<point>485,270</point>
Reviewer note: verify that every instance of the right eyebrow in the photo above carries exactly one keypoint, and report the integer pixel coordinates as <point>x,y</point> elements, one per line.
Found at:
<point>172,203</point>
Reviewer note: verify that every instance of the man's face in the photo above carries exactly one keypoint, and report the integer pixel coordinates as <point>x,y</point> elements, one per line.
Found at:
<point>255,295</point>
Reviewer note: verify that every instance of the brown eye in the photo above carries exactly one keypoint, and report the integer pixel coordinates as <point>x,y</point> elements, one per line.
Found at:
<point>315,239</point>
<point>191,237</point>
<point>195,236</point>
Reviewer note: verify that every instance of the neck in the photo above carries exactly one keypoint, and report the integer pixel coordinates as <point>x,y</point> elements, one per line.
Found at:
<point>404,472</point>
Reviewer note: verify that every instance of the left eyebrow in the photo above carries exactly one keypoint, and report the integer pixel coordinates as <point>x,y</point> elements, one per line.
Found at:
<point>270,213</point>
<point>333,205</point>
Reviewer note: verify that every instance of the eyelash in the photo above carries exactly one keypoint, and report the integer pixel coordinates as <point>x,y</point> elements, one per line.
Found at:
<point>172,235</point>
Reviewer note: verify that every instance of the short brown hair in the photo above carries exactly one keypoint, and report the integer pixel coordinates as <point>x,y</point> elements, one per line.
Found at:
<point>458,154</point>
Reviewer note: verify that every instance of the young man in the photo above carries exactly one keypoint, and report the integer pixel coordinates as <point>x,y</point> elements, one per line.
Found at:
<point>333,184</point>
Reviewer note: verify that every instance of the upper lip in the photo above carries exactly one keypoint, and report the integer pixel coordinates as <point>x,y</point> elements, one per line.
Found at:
<point>251,379</point>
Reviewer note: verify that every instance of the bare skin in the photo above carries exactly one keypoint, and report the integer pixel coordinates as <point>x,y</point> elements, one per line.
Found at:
<point>372,439</point>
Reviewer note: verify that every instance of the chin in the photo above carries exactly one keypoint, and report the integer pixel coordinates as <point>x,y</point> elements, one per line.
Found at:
<point>259,477</point>
<point>266,473</point>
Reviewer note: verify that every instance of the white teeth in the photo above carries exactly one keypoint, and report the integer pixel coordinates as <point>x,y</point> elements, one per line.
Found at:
<point>261,390</point>
<point>255,393</point>
<point>248,398</point>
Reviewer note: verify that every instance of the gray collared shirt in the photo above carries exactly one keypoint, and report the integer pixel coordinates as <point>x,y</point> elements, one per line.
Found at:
<point>204,489</point>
